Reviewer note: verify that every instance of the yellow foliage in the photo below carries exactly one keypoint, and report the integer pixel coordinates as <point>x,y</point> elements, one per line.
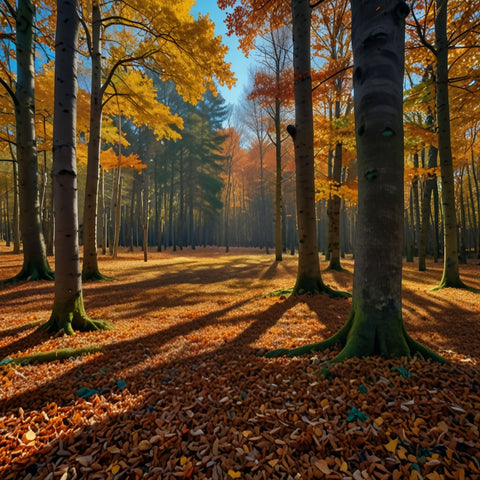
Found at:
<point>166,37</point>
<point>137,101</point>
<point>326,188</point>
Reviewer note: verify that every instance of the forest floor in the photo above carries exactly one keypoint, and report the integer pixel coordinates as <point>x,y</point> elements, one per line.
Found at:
<point>181,389</point>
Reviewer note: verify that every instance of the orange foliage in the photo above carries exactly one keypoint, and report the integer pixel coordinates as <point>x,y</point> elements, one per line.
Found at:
<point>267,89</point>
<point>109,159</point>
<point>249,19</point>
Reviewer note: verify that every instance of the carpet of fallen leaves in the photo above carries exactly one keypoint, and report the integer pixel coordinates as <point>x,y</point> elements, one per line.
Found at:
<point>181,389</point>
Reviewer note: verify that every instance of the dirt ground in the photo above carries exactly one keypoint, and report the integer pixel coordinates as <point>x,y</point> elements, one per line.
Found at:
<point>181,388</point>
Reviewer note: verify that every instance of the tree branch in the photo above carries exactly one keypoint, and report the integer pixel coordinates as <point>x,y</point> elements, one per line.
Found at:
<point>316,4</point>
<point>88,37</point>
<point>421,35</point>
<point>10,8</point>
<point>332,76</point>
<point>462,34</point>
<point>9,91</point>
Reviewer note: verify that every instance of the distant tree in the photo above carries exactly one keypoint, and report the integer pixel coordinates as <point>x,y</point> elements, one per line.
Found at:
<point>449,32</point>
<point>273,86</point>
<point>249,19</point>
<point>253,118</point>
<point>332,86</point>
<point>68,310</point>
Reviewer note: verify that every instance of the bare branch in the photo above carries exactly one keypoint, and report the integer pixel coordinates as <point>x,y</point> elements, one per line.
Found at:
<point>10,8</point>
<point>421,35</point>
<point>316,4</point>
<point>332,76</point>
<point>9,91</point>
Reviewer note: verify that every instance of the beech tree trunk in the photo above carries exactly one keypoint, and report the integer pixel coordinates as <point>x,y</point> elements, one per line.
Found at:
<point>16,210</point>
<point>68,311</point>
<point>309,279</point>
<point>90,269</point>
<point>35,265</point>
<point>451,275</point>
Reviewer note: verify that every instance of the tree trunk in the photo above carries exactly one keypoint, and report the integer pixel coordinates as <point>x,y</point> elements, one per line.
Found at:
<point>145,218</point>
<point>309,279</point>
<point>35,265</point>
<point>117,196</point>
<point>101,213</point>
<point>90,269</point>
<point>375,325</point>
<point>451,275</point>
<point>278,179</point>
<point>463,222</point>
<point>334,217</point>
<point>16,211</point>
<point>430,181</point>
<point>416,206</point>
<point>477,189</point>
<point>68,311</point>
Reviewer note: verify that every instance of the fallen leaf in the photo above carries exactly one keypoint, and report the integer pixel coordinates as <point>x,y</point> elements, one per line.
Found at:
<point>391,446</point>
<point>322,465</point>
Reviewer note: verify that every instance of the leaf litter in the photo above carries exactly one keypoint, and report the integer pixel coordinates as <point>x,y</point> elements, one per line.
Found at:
<point>181,389</point>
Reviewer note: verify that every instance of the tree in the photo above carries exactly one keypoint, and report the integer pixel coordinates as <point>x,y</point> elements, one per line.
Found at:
<point>451,274</point>
<point>309,279</point>
<point>256,123</point>
<point>375,325</point>
<point>332,44</point>
<point>35,264</point>
<point>68,310</point>
<point>453,27</point>
<point>273,86</point>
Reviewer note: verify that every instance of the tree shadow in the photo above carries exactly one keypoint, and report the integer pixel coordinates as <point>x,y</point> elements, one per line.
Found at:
<point>109,363</point>
<point>33,338</point>
<point>16,330</point>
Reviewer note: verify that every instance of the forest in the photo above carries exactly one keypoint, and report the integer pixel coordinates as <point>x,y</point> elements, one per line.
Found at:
<point>286,288</point>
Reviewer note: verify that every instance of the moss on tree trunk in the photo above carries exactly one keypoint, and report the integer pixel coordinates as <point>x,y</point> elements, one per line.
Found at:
<point>70,316</point>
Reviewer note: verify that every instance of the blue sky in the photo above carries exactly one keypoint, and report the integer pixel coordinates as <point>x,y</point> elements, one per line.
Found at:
<point>240,64</point>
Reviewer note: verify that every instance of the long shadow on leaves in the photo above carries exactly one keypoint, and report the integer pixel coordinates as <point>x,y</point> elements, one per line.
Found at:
<point>118,358</point>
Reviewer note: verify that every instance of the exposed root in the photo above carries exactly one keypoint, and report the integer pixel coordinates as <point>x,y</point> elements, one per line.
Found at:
<point>52,355</point>
<point>70,316</point>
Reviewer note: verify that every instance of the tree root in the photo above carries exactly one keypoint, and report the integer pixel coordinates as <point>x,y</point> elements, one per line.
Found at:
<point>70,316</point>
<point>459,284</point>
<point>52,355</point>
